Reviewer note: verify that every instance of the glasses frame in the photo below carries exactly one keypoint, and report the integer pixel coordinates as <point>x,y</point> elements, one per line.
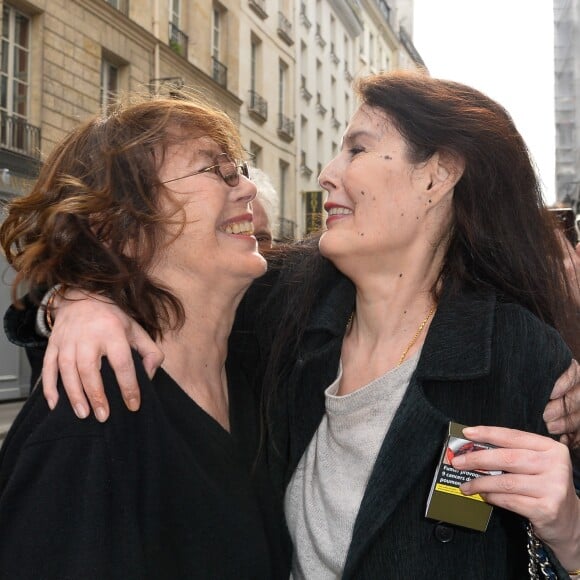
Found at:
<point>232,180</point>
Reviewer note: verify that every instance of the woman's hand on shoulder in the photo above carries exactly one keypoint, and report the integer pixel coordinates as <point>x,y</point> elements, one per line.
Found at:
<point>536,484</point>
<point>87,328</point>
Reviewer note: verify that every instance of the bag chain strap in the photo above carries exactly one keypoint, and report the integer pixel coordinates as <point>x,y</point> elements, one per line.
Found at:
<point>539,566</point>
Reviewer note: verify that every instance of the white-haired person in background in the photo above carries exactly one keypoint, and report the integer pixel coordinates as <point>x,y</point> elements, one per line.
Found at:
<point>265,207</point>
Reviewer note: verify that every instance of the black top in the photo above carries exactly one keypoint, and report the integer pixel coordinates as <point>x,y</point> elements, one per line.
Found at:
<point>162,493</point>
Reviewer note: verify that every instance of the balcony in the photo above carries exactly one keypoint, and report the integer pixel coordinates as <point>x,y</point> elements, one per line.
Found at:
<point>306,94</point>
<point>305,171</point>
<point>285,29</point>
<point>335,122</point>
<point>347,76</point>
<point>219,72</point>
<point>178,40</point>
<point>121,5</point>
<point>320,108</point>
<point>285,128</point>
<point>258,107</point>
<point>333,57</point>
<point>320,41</point>
<point>19,136</point>
<point>259,7</point>
<point>303,17</point>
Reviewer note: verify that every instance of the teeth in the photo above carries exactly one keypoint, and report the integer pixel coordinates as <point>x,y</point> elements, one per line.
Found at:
<point>244,228</point>
<point>339,211</point>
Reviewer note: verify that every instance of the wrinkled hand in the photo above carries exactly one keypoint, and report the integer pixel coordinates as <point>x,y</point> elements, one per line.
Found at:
<point>87,328</point>
<point>537,484</point>
<point>562,413</point>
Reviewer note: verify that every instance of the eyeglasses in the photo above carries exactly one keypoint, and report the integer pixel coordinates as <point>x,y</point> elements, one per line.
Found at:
<point>227,169</point>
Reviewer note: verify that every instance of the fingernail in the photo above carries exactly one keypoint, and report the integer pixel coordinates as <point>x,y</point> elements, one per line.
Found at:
<point>133,404</point>
<point>51,404</point>
<point>549,414</point>
<point>81,412</point>
<point>469,431</point>
<point>458,461</point>
<point>100,414</point>
<point>464,487</point>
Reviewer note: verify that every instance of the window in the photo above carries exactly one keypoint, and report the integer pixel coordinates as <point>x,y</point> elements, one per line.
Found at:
<point>254,52</point>
<point>255,154</point>
<point>283,185</point>
<point>15,62</point>
<point>216,34</point>
<point>109,84</point>
<point>175,12</point>
<point>282,82</point>
<point>14,83</point>
<point>372,49</point>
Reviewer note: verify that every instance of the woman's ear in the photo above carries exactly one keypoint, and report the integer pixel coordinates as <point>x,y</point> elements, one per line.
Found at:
<point>446,170</point>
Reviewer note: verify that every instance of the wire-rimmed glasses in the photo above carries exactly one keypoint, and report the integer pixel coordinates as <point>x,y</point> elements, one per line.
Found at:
<point>228,169</point>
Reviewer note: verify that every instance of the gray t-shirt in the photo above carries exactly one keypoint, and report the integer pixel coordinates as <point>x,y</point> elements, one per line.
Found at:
<point>324,495</point>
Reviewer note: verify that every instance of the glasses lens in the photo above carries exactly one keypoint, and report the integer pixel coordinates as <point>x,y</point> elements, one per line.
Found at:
<point>230,172</point>
<point>245,169</point>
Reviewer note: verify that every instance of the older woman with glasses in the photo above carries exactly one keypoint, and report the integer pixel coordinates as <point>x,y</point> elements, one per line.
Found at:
<point>147,208</point>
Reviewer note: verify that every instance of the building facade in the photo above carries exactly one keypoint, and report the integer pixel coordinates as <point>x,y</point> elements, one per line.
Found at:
<point>567,100</point>
<point>282,70</point>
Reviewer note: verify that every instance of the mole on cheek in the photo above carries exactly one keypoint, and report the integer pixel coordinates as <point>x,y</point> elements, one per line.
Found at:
<point>362,192</point>
<point>374,198</point>
<point>361,234</point>
<point>387,157</point>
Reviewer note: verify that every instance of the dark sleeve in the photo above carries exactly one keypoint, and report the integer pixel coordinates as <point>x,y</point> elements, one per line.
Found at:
<point>20,325</point>
<point>55,500</point>
<point>20,329</point>
<point>62,511</point>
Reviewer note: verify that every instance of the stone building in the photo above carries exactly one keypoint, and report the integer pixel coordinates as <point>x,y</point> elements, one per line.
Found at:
<point>282,69</point>
<point>567,100</point>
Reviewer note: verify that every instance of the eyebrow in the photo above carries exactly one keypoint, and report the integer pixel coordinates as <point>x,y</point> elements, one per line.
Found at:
<point>354,135</point>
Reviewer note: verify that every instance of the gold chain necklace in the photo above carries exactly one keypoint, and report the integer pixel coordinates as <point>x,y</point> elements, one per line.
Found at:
<point>413,340</point>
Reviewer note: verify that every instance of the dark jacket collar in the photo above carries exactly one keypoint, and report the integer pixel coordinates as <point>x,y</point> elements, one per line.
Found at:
<point>457,346</point>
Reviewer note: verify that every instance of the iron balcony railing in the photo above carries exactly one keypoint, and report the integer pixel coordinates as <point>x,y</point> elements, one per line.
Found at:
<point>219,72</point>
<point>321,42</point>
<point>18,135</point>
<point>285,127</point>
<point>306,94</point>
<point>285,29</point>
<point>259,7</point>
<point>303,16</point>
<point>178,40</point>
<point>258,106</point>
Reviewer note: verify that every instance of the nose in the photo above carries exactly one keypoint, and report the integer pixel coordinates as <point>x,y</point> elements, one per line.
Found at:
<point>328,178</point>
<point>245,191</point>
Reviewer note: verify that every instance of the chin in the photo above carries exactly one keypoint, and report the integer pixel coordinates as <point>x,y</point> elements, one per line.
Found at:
<point>332,244</point>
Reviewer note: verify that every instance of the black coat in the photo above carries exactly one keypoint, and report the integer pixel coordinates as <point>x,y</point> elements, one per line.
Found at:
<point>483,362</point>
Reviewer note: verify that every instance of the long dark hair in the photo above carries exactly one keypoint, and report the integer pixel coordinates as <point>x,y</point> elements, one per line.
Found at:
<point>96,196</point>
<point>503,236</point>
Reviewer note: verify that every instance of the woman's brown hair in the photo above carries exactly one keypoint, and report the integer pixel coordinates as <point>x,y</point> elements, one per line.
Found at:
<point>96,196</point>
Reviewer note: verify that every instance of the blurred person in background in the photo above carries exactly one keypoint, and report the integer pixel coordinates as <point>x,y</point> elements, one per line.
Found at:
<point>265,207</point>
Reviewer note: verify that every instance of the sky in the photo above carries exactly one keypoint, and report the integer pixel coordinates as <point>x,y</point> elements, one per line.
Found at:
<point>504,48</point>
